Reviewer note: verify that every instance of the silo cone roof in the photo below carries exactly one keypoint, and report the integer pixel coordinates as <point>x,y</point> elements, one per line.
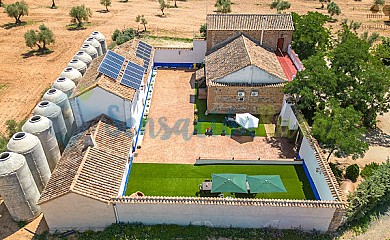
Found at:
<point>55,96</point>
<point>99,36</point>
<point>10,162</point>
<point>37,124</point>
<point>77,64</point>
<point>49,110</point>
<point>22,142</point>
<point>64,84</point>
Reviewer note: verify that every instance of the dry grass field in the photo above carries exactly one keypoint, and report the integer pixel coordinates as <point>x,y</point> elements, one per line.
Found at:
<point>23,79</point>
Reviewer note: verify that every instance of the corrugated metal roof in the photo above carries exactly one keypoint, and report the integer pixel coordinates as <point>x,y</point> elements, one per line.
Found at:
<point>249,22</point>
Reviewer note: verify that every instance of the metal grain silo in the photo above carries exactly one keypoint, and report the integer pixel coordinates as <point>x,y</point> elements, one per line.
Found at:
<point>91,50</point>
<point>42,127</point>
<point>95,43</point>
<point>78,65</point>
<point>18,188</point>
<point>31,148</point>
<point>102,40</point>
<point>60,99</point>
<point>54,113</point>
<point>83,56</point>
<point>72,74</point>
<point>64,84</point>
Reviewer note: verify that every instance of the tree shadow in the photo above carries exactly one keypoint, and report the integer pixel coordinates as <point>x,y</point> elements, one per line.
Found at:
<point>74,27</point>
<point>35,52</point>
<point>12,25</point>
<point>376,137</point>
<point>161,16</point>
<point>285,148</point>
<point>242,139</point>
<point>103,11</point>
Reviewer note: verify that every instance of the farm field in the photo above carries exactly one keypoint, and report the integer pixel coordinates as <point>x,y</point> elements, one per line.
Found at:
<point>23,79</point>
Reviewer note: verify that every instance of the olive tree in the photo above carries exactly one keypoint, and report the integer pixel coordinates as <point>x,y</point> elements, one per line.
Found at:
<point>333,9</point>
<point>106,3</point>
<point>280,5</point>
<point>223,6</point>
<point>322,3</point>
<point>80,14</point>
<point>163,5</point>
<point>17,10</point>
<point>41,39</point>
<point>141,19</point>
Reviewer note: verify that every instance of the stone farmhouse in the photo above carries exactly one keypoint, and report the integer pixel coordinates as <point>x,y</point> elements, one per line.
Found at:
<point>270,30</point>
<point>247,60</point>
<point>246,64</point>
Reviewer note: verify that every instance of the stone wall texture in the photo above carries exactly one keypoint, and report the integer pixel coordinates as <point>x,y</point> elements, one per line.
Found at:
<point>270,38</point>
<point>225,99</point>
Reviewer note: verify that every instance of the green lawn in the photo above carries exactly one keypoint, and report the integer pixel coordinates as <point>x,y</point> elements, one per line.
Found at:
<point>183,179</point>
<point>216,121</point>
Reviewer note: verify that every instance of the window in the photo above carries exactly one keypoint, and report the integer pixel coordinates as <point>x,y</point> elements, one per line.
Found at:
<point>241,93</point>
<point>241,99</point>
<point>254,93</point>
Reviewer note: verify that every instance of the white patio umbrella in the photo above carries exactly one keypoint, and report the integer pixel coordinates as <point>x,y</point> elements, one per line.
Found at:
<point>247,120</point>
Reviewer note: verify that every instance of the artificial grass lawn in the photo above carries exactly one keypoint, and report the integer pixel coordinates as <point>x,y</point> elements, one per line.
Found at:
<point>182,179</point>
<point>216,121</point>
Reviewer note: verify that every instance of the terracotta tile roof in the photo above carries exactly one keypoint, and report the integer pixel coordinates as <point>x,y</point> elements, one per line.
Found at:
<point>93,172</point>
<point>237,53</point>
<point>249,22</point>
<point>93,78</point>
<point>199,74</point>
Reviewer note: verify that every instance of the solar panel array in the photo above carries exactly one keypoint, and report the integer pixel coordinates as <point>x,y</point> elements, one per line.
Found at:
<point>133,75</point>
<point>111,65</point>
<point>144,51</point>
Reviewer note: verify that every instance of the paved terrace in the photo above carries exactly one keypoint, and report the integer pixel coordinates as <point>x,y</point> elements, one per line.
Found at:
<point>168,136</point>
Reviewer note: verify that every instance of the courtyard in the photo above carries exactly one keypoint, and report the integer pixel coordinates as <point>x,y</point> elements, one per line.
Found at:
<point>169,135</point>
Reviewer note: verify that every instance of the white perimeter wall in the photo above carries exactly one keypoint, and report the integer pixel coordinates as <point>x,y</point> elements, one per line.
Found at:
<point>288,118</point>
<point>98,101</point>
<point>172,55</point>
<point>250,74</point>
<point>75,212</point>
<point>307,154</point>
<point>227,215</point>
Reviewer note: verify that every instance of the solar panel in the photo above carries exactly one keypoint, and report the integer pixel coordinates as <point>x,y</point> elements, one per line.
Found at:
<point>144,51</point>
<point>111,64</point>
<point>133,75</point>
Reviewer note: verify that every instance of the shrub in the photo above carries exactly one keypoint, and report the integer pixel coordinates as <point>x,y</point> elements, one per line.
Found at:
<point>369,170</point>
<point>121,37</point>
<point>203,30</point>
<point>370,199</point>
<point>352,172</point>
<point>338,173</point>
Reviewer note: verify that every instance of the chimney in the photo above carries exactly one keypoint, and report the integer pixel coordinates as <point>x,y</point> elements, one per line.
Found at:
<point>89,141</point>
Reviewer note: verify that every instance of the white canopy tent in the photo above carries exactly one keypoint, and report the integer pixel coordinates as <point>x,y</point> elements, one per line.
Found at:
<point>247,120</point>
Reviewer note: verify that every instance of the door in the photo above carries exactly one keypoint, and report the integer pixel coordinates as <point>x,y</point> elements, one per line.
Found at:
<point>280,44</point>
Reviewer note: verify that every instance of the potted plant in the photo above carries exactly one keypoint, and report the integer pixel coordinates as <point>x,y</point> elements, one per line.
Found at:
<point>196,119</point>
